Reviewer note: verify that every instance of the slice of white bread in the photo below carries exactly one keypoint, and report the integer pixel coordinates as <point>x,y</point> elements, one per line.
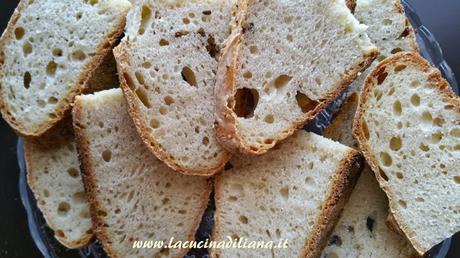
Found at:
<point>132,195</point>
<point>389,29</point>
<point>294,192</point>
<point>285,62</point>
<point>167,65</point>
<point>362,230</point>
<point>53,174</point>
<point>408,127</point>
<point>48,53</point>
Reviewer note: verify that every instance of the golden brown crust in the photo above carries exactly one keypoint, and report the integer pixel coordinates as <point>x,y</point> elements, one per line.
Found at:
<point>436,82</point>
<point>225,125</point>
<point>61,135</point>
<point>351,4</point>
<point>121,55</point>
<point>90,183</point>
<point>345,179</point>
<point>65,105</point>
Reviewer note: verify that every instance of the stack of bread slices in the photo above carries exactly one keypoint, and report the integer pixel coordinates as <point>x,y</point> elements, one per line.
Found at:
<point>134,112</point>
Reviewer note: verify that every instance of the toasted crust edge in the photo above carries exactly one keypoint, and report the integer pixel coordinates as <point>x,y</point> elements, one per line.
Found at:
<point>225,123</point>
<point>91,183</point>
<point>436,82</point>
<point>85,239</point>
<point>345,178</point>
<point>63,108</point>
<point>122,58</point>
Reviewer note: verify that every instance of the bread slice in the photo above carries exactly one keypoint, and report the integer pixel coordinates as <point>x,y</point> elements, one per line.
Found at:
<point>389,29</point>
<point>408,127</point>
<point>167,64</point>
<point>362,230</point>
<point>284,62</point>
<point>294,192</point>
<point>133,196</point>
<point>53,174</point>
<point>48,53</point>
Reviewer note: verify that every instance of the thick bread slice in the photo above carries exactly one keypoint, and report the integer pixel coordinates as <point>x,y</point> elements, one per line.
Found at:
<point>389,29</point>
<point>362,230</point>
<point>53,174</point>
<point>408,127</point>
<point>167,65</point>
<point>132,195</point>
<point>284,62</point>
<point>294,192</point>
<point>48,53</point>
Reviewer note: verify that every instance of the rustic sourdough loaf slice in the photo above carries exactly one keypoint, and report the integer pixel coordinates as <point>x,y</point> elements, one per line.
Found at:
<point>48,53</point>
<point>361,230</point>
<point>408,127</point>
<point>284,62</point>
<point>53,174</point>
<point>388,29</point>
<point>132,195</point>
<point>294,192</point>
<point>167,64</point>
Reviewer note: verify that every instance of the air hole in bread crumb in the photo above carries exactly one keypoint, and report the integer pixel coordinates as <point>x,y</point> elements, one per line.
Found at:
<point>106,155</point>
<point>396,50</point>
<point>399,68</point>
<point>51,68</point>
<point>427,118</point>
<point>46,193</point>
<point>455,132</point>
<point>84,213</point>
<point>439,121</point>
<point>381,76</point>
<point>73,172</point>
<point>285,192</point>
<point>457,179</point>
<point>269,119</point>
<point>243,219</point>
<point>232,198</point>
<point>19,33</point>
<point>381,58</point>
<point>205,141</point>
<point>365,130</point>
<point>27,48</point>
<point>185,20</point>
<point>246,101</point>
<point>415,100</point>
<point>164,42</point>
<point>305,103</point>
<point>395,143</point>
<point>278,233</point>
<point>154,123</point>
<point>143,97</point>
<point>27,80</point>
<point>391,91</point>
<point>399,175</point>
<point>378,94</point>
<point>60,233</point>
<point>419,199</point>
<point>78,16</point>
<point>57,52</point>
<point>247,75</point>
<point>78,55</point>
<point>79,197</point>
<point>414,84</point>
<point>268,141</point>
<point>63,208</point>
<point>387,22</point>
<point>253,49</point>
<point>397,107</point>
<point>168,100</point>
<point>402,203</point>
<point>436,137</point>
<point>290,38</point>
<point>146,14</point>
<point>386,159</point>
<point>282,80</point>
<point>424,147</point>
<point>146,65</point>
<point>139,77</point>
<point>457,147</point>
<point>189,76</point>
<point>101,213</point>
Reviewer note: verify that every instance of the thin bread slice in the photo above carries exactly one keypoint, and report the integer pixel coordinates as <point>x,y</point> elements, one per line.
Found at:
<point>167,64</point>
<point>284,62</point>
<point>133,196</point>
<point>48,53</point>
<point>362,230</point>
<point>408,127</point>
<point>389,29</point>
<point>295,193</point>
<point>53,175</point>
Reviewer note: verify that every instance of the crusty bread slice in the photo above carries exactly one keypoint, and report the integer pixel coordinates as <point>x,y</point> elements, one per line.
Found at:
<point>167,64</point>
<point>284,62</point>
<point>48,53</point>
<point>361,230</point>
<point>389,29</point>
<point>53,174</point>
<point>294,192</point>
<point>132,195</point>
<point>408,127</point>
